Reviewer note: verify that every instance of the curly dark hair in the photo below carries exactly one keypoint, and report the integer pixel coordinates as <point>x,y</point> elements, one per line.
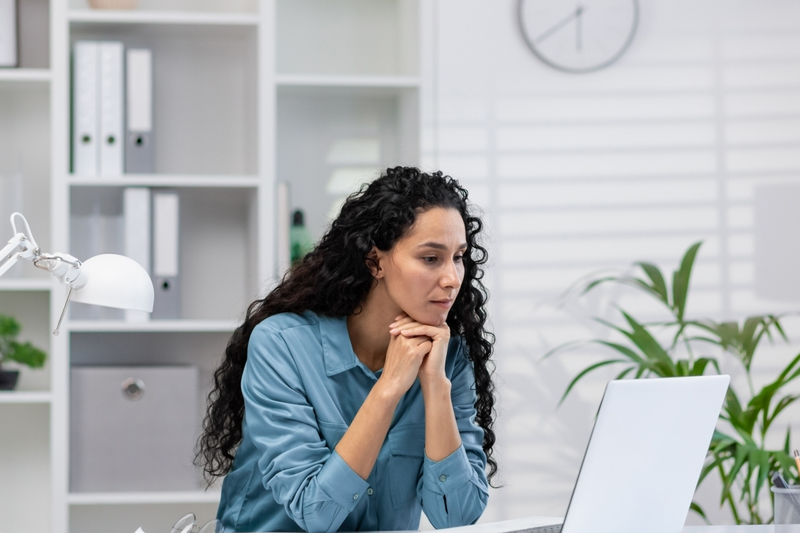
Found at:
<point>333,279</point>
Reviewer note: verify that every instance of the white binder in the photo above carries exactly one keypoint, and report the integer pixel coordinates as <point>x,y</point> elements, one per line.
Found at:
<point>85,150</point>
<point>166,216</point>
<point>139,153</point>
<point>8,33</point>
<point>111,101</point>
<point>136,210</point>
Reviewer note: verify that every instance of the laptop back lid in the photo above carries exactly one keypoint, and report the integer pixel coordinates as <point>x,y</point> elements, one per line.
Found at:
<point>645,455</point>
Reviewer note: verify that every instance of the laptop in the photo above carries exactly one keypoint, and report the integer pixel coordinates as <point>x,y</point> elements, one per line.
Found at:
<point>644,456</point>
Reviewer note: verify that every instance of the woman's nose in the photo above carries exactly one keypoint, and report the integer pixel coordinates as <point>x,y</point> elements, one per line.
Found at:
<point>451,276</point>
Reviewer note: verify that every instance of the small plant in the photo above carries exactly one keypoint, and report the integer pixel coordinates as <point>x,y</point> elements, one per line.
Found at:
<point>738,453</point>
<point>11,350</point>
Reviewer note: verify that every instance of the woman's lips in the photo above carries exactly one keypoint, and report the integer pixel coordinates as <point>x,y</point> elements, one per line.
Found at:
<point>442,303</point>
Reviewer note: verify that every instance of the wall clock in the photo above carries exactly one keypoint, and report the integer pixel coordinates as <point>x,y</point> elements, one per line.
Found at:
<point>581,36</point>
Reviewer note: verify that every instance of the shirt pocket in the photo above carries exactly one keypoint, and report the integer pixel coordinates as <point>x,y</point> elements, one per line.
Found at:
<point>407,449</point>
<point>332,433</point>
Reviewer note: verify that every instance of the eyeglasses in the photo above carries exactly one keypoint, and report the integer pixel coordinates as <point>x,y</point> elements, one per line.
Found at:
<point>188,524</point>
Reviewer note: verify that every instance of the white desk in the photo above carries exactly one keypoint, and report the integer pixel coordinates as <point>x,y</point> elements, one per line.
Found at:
<point>534,521</point>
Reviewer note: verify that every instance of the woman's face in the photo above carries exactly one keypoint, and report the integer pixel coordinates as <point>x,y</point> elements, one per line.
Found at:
<point>423,271</point>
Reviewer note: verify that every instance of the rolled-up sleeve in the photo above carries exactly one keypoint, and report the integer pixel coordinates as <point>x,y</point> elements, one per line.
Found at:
<point>313,484</point>
<point>454,491</point>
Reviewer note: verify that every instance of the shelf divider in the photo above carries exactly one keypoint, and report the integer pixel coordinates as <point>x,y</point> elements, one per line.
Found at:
<point>26,284</point>
<point>25,397</point>
<point>25,75</point>
<point>356,80</point>
<point>178,326</point>
<point>137,498</point>
<point>167,180</point>
<point>194,18</point>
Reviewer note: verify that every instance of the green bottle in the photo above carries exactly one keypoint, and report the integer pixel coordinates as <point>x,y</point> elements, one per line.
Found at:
<point>299,238</point>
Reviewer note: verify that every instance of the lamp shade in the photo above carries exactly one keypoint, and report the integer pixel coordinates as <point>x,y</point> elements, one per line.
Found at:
<point>115,281</point>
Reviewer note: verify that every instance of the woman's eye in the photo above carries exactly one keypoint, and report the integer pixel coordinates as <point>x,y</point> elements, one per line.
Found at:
<point>458,258</point>
<point>430,259</point>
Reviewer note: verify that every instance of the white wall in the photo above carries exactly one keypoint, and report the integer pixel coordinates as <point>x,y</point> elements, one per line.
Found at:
<point>581,172</point>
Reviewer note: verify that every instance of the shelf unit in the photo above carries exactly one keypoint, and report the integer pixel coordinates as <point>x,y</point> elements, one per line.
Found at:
<point>242,102</point>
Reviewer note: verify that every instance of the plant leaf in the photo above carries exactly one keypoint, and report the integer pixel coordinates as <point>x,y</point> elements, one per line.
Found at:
<point>658,285</point>
<point>26,354</point>
<point>586,371</point>
<point>9,327</point>
<point>664,366</point>
<point>699,510</point>
<point>680,280</point>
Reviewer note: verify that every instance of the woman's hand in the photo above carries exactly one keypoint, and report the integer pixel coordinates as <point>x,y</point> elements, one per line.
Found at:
<point>404,357</point>
<point>432,367</point>
<point>441,430</point>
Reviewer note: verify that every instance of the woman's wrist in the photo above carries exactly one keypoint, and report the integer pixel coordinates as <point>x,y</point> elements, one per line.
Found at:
<point>437,384</point>
<point>388,391</point>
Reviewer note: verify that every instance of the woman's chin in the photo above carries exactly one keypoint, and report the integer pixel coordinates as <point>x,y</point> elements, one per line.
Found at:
<point>429,318</point>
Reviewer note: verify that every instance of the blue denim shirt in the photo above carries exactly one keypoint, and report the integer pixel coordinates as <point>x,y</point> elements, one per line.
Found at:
<point>302,386</point>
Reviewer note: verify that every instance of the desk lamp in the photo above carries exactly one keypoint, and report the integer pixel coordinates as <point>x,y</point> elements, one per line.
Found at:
<point>108,279</point>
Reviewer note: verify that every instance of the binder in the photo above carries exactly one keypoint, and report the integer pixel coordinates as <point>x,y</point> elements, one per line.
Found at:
<point>166,216</point>
<point>136,212</point>
<point>111,86</point>
<point>139,153</point>
<point>85,150</point>
<point>9,56</point>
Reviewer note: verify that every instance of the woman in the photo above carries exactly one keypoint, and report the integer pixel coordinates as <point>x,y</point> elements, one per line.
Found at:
<point>359,392</point>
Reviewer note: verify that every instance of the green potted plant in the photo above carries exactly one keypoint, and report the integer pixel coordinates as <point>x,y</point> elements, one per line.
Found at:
<point>11,350</point>
<point>678,346</point>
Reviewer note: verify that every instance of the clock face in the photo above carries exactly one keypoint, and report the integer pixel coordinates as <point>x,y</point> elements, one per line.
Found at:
<point>578,35</point>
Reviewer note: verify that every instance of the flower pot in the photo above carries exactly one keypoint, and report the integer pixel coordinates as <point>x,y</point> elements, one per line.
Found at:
<point>113,4</point>
<point>8,379</point>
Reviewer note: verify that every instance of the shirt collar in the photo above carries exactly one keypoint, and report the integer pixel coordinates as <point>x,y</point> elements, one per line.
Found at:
<point>337,351</point>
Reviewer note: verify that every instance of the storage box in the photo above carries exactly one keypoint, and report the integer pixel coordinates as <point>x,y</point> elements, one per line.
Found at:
<point>133,428</point>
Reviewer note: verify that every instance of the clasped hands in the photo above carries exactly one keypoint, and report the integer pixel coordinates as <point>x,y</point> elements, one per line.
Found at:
<point>416,350</point>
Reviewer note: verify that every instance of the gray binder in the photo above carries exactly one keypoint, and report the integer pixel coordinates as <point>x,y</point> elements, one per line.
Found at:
<point>139,153</point>
<point>166,252</point>
<point>133,428</point>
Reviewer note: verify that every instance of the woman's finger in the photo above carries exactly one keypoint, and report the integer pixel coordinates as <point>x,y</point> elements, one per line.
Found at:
<point>434,332</point>
<point>402,322</point>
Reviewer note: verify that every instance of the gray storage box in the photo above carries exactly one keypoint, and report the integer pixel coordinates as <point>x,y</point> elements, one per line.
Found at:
<point>133,428</point>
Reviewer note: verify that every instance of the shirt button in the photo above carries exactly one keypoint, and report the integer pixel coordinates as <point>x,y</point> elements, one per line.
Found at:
<point>355,496</point>
<point>370,491</point>
<point>442,478</point>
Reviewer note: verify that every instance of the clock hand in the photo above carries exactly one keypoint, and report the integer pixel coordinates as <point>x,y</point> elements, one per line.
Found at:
<point>557,27</point>
<point>578,27</point>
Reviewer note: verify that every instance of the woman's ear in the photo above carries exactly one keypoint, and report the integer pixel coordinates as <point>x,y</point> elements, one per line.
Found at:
<point>373,261</point>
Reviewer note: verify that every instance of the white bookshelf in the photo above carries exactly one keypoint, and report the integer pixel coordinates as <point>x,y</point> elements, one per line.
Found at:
<point>234,83</point>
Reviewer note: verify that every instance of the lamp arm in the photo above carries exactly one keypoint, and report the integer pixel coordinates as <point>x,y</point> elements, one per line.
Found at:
<point>28,234</point>
<point>22,246</point>
<point>19,247</point>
